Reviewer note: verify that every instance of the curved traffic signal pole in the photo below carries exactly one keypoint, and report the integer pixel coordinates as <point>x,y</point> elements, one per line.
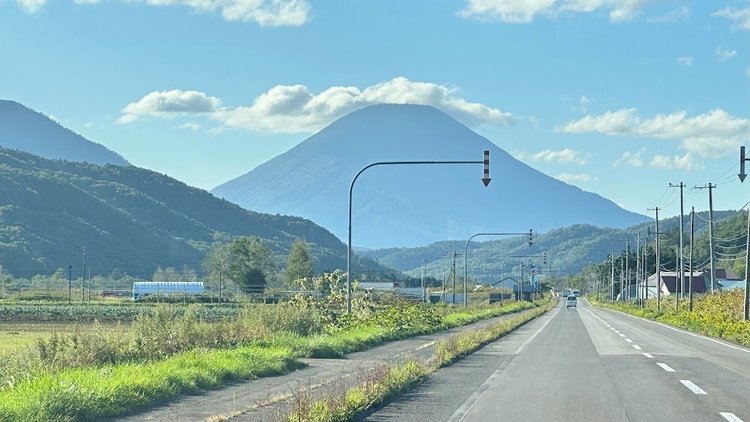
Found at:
<point>466,256</point>
<point>485,180</point>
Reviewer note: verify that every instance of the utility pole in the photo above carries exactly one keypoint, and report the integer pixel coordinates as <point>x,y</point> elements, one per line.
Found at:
<point>626,292</point>
<point>747,261</point>
<point>692,235</point>
<point>612,277</point>
<point>682,230</point>
<point>622,278</point>
<point>638,269</point>
<point>645,271</point>
<point>83,277</point>
<point>70,284</point>
<point>453,272</point>
<point>520,284</point>
<point>424,290</point>
<point>710,188</point>
<point>658,264</point>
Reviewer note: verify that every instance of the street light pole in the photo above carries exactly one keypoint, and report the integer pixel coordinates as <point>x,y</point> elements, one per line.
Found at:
<point>486,180</point>
<point>466,257</point>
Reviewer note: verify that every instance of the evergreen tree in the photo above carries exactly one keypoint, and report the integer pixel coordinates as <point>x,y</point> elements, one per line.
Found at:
<point>250,263</point>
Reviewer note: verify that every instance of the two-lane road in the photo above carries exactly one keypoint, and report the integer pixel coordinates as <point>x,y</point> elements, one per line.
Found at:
<point>588,364</point>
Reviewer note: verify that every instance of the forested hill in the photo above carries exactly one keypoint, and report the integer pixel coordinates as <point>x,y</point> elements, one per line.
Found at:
<point>128,218</point>
<point>568,249</point>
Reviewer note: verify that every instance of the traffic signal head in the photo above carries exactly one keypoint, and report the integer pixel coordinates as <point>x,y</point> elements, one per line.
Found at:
<point>531,237</point>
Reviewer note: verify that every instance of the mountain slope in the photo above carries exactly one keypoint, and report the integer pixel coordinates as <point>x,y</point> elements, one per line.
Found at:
<point>128,218</point>
<point>410,205</point>
<point>568,249</point>
<point>27,130</point>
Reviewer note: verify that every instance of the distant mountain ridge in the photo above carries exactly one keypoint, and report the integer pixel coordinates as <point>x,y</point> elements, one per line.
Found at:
<point>568,249</point>
<point>129,219</point>
<point>27,130</point>
<point>409,206</point>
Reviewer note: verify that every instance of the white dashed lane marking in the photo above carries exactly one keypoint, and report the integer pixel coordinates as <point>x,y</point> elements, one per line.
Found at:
<point>666,367</point>
<point>648,355</point>
<point>694,388</point>
<point>637,347</point>
<point>731,417</point>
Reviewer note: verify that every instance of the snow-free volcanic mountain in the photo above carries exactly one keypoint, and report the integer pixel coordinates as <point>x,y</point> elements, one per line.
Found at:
<point>413,205</point>
<point>27,130</point>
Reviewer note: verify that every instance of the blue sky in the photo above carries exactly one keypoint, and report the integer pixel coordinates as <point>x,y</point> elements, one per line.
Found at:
<point>618,97</point>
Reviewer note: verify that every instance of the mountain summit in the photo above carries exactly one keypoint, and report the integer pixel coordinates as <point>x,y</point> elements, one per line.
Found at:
<point>413,205</point>
<point>27,130</point>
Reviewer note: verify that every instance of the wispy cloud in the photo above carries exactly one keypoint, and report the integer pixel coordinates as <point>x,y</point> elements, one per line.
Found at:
<point>524,11</point>
<point>686,162</point>
<point>576,177</point>
<point>711,134</point>
<point>685,61</point>
<point>724,55</point>
<point>190,125</point>
<point>31,6</point>
<point>294,109</point>
<point>563,156</point>
<point>632,159</point>
<point>740,17</point>
<point>262,12</point>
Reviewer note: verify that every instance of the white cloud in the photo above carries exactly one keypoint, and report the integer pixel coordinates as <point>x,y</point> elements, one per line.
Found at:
<point>88,125</point>
<point>31,6</point>
<point>524,11</point>
<point>583,103</point>
<point>711,134</point>
<point>262,12</point>
<point>564,156</point>
<point>724,55</point>
<point>685,61</point>
<point>169,104</point>
<point>82,2</point>
<point>294,109</point>
<point>686,162</point>
<point>631,159</point>
<point>576,178</point>
<point>739,17</point>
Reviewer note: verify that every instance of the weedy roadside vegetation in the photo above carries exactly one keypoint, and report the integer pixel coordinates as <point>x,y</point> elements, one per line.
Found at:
<point>384,382</point>
<point>171,350</point>
<point>718,315</point>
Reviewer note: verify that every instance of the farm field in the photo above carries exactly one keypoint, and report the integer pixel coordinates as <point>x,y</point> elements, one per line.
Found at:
<point>18,335</point>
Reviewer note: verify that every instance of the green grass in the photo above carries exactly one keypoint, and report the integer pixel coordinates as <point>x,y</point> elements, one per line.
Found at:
<point>16,336</point>
<point>92,393</point>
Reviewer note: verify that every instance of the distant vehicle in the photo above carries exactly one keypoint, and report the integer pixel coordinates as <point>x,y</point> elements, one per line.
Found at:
<point>142,289</point>
<point>571,301</point>
<point>576,293</point>
<point>567,292</point>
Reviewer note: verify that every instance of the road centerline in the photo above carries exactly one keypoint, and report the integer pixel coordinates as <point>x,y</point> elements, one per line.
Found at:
<point>694,388</point>
<point>731,417</point>
<point>666,367</point>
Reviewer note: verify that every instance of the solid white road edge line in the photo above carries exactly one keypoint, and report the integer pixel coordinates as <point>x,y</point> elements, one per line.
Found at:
<point>741,349</point>
<point>694,388</point>
<point>665,367</point>
<point>731,417</point>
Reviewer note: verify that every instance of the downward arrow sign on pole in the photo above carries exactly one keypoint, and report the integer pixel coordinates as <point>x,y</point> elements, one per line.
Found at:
<point>486,179</point>
<point>742,174</point>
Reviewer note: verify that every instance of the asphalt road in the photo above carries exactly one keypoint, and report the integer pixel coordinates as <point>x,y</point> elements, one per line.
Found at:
<point>587,364</point>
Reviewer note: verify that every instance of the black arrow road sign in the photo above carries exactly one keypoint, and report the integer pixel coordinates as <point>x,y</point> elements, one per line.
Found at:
<point>486,179</point>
